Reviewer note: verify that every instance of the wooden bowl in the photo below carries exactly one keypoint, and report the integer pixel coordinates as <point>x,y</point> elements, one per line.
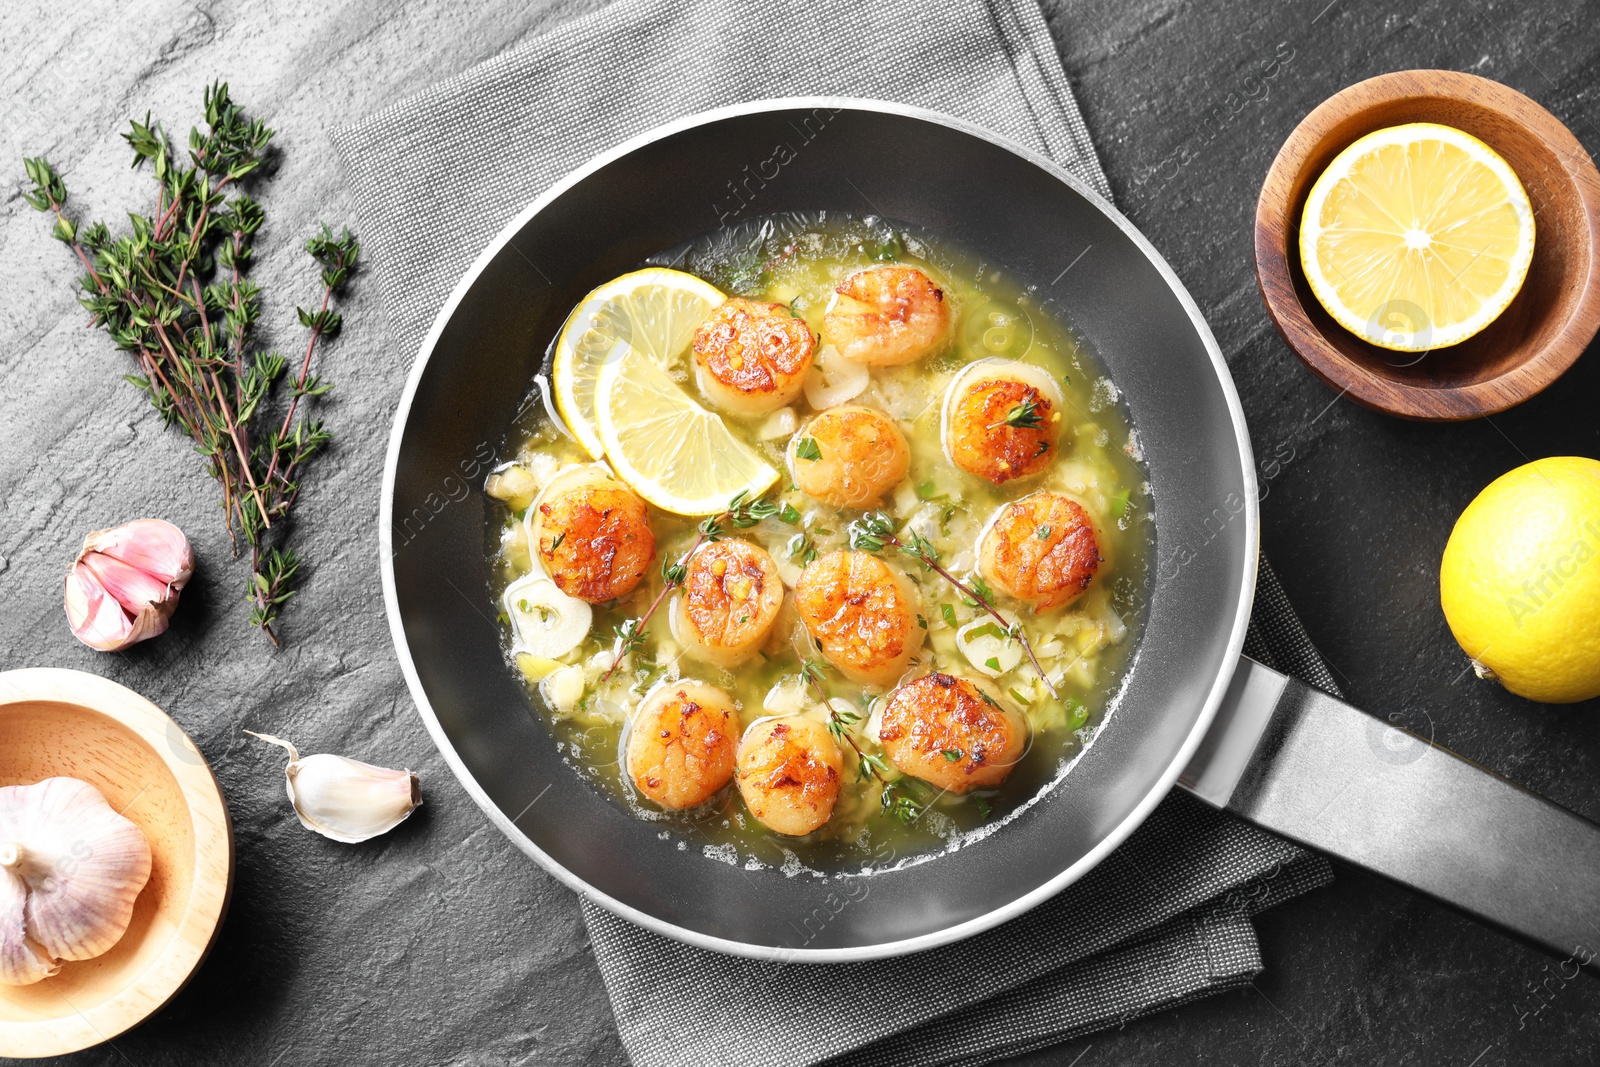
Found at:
<point>1546,327</point>
<point>77,725</point>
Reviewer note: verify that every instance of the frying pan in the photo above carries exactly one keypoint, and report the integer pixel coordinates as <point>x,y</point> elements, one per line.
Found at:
<point>1193,711</point>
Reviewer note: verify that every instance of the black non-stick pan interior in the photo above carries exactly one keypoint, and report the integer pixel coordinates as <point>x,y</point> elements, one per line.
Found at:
<point>955,182</point>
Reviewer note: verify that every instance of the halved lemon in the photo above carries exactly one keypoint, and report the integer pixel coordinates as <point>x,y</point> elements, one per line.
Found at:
<point>652,312</point>
<point>1416,237</point>
<point>670,450</point>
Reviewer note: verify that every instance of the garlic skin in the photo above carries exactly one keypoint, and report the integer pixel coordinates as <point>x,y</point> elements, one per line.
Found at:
<point>124,585</point>
<point>344,799</point>
<point>71,869</point>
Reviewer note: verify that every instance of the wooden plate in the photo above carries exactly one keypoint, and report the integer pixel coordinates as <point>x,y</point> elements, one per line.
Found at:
<point>77,725</point>
<point>1546,327</point>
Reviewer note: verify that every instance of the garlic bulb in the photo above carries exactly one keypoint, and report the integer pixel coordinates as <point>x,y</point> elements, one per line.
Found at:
<point>345,799</point>
<point>70,871</point>
<point>124,585</point>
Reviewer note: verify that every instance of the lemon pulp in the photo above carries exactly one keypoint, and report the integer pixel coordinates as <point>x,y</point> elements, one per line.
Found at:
<point>666,447</point>
<point>1416,237</point>
<point>651,313</point>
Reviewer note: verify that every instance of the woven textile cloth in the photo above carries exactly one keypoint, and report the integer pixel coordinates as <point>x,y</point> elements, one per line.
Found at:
<point>1166,918</point>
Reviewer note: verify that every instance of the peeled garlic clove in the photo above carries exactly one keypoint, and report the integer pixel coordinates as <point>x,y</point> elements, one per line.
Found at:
<point>833,379</point>
<point>548,623</point>
<point>345,799</point>
<point>124,585</point>
<point>82,867</point>
<point>22,962</point>
<point>987,646</point>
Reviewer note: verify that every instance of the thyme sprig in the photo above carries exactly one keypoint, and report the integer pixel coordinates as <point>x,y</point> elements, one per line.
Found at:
<point>742,512</point>
<point>172,292</point>
<point>873,532</point>
<point>1024,416</point>
<point>899,797</point>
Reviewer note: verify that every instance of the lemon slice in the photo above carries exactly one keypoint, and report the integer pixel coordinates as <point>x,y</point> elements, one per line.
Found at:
<point>670,450</point>
<point>1416,237</point>
<point>653,312</point>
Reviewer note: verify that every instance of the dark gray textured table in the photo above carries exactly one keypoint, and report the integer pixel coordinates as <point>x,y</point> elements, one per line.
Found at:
<point>440,944</point>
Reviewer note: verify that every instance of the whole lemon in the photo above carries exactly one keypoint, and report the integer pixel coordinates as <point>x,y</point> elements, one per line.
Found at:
<point>1520,580</point>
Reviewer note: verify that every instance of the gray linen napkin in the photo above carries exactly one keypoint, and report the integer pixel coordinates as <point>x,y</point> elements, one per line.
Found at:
<point>1166,918</point>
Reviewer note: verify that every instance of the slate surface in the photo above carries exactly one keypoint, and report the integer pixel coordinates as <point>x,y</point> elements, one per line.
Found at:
<point>440,944</point>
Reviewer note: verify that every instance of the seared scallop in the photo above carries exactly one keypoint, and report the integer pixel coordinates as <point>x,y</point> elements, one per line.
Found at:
<point>730,599</point>
<point>862,613</point>
<point>682,744</point>
<point>849,456</point>
<point>591,535</point>
<point>887,315</point>
<point>1001,419</point>
<point>790,770</point>
<point>751,357</point>
<point>951,734</point>
<point>1041,549</point>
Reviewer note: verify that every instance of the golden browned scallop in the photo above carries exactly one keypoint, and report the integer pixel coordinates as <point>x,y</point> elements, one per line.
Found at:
<point>1001,419</point>
<point>593,537</point>
<point>730,599</point>
<point>888,315</point>
<point>848,456</point>
<point>751,357</point>
<point>790,770</point>
<point>1041,549</point>
<point>862,613</point>
<point>951,734</point>
<point>682,744</point>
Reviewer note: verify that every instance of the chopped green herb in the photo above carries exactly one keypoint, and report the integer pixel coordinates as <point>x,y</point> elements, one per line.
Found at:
<point>921,621</point>
<point>560,537</point>
<point>951,754</point>
<point>522,606</point>
<point>928,491</point>
<point>1020,698</point>
<point>806,448</point>
<point>1044,532</point>
<point>1077,714</point>
<point>949,613</point>
<point>993,663</point>
<point>984,810</point>
<point>503,619</point>
<point>988,629</point>
<point>802,548</point>
<point>789,515</point>
<point>890,250</point>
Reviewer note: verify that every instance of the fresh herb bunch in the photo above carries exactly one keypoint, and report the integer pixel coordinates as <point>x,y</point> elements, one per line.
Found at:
<point>873,532</point>
<point>172,292</point>
<point>742,512</point>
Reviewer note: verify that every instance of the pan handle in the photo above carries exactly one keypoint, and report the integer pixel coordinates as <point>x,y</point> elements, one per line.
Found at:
<point>1301,763</point>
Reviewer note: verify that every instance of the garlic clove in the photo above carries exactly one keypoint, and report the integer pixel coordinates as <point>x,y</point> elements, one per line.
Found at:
<point>128,585</point>
<point>124,585</point>
<point>153,546</point>
<point>96,618</point>
<point>22,962</point>
<point>81,865</point>
<point>344,799</point>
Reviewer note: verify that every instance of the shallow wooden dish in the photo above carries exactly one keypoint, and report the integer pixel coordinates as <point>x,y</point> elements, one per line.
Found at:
<point>1545,329</point>
<point>72,724</point>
